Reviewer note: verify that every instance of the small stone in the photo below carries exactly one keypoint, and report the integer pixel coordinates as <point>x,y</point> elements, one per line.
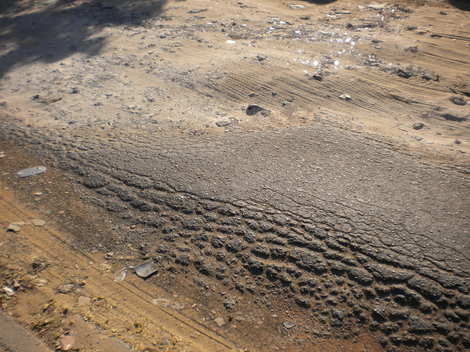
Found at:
<point>65,289</point>
<point>14,228</point>
<point>411,28</point>
<point>38,222</point>
<point>145,270</point>
<point>345,97</point>
<point>412,49</point>
<point>255,109</point>
<point>377,7</point>
<point>418,125</point>
<point>223,123</point>
<point>458,101</point>
<point>288,325</point>
<point>219,321</point>
<point>296,6</point>
<point>261,58</point>
<point>195,11</point>
<point>229,303</point>
<point>73,90</point>
<point>429,76</point>
<point>31,171</point>
<point>8,291</point>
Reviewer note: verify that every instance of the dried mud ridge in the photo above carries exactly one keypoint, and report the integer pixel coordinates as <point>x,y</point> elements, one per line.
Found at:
<point>345,281</point>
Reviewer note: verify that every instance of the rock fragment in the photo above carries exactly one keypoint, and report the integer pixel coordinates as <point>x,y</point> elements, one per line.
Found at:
<point>252,110</point>
<point>219,321</point>
<point>14,228</point>
<point>32,171</point>
<point>458,101</point>
<point>38,222</point>
<point>146,269</point>
<point>418,125</point>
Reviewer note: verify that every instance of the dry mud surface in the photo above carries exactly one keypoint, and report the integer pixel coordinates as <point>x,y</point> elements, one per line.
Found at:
<point>300,171</point>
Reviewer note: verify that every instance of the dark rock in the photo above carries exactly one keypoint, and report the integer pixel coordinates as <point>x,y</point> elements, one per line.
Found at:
<point>418,125</point>
<point>404,73</point>
<point>450,117</point>
<point>458,101</point>
<point>255,109</point>
<point>429,76</point>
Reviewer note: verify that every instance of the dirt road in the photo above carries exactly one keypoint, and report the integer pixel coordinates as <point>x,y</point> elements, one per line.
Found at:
<point>297,170</point>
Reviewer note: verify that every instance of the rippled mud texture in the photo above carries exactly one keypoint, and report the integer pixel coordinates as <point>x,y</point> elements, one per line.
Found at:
<point>331,261</point>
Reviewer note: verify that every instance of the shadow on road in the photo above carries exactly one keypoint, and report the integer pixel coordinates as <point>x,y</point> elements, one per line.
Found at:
<point>461,4</point>
<point>30,34</point>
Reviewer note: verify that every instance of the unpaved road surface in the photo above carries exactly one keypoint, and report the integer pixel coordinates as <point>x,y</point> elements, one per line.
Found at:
<point>299,173</point>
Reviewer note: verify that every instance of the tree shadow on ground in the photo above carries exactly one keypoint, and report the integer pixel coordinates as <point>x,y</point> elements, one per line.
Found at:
<point>52,33</point>
<point>461,4</point>
<point>320,2</point>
